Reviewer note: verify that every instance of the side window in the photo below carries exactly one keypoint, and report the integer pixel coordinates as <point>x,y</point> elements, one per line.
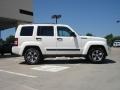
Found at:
<point>45,31</point>
<point>26,31</point>
<point>63,31</point>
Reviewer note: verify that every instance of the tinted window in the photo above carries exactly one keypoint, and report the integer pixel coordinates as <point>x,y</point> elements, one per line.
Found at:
<point>45,31</point>
<point>64,31</point>
<point>26,31</point>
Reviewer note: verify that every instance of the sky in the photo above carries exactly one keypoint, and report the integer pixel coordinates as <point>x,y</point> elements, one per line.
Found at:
<point>84,16</point>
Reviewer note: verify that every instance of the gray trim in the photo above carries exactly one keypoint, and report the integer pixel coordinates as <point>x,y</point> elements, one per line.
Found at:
<point>63,49</point>
<point>66,55</point>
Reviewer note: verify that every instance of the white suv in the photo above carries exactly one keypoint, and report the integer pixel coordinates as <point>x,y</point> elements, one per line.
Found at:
<point>38,41</point>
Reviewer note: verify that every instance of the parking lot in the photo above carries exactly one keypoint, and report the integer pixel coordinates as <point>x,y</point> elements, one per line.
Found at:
<point>60,74</point>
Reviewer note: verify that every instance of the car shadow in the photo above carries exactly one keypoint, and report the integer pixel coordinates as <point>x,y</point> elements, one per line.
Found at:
<point>8,56</point>
<point>72,61</point>
<point>76,61</point>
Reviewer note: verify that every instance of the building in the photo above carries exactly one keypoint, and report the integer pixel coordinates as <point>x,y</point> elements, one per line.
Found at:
<point>14,12</point>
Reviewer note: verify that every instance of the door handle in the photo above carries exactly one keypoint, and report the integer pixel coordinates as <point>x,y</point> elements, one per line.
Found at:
<point>39,39</point>
<point>59,39</point>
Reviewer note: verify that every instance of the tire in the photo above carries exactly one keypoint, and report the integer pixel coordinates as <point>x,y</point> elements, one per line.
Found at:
<point>2,54</point>
<point>12,53</point>
<point>33,56</point>
<point>96,55</point>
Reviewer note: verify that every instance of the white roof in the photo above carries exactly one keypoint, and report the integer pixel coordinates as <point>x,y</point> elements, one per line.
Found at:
<point>43,25</point>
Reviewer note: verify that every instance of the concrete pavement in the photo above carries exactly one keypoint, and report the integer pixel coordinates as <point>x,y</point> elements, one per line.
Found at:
<point>78,74</point>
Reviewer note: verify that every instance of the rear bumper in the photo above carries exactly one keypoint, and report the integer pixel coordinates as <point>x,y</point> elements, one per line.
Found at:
<point>16,50</point>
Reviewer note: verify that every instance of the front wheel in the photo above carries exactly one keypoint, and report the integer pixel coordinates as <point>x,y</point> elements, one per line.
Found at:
<point>96,55</point>
<point>32,56</point>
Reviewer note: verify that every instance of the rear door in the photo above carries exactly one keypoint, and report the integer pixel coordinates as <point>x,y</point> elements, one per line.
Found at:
<point>46,38</point>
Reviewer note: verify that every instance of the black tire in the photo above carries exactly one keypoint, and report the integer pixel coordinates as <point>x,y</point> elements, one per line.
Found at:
<point>96,55</point>
<point>2,54</point>
<point>12,53</point>
<point>33,56</point>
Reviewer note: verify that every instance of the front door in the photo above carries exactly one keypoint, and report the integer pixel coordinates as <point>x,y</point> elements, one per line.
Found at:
<point>67,44</point>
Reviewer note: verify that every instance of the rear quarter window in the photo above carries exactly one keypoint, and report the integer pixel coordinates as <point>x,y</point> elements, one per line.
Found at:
<point>26,31</point>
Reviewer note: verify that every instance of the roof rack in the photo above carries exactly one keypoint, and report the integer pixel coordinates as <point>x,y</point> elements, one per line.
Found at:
<point>37,23</point>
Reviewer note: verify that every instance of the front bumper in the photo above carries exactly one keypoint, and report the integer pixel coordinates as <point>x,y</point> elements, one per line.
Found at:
<point>108,50</point>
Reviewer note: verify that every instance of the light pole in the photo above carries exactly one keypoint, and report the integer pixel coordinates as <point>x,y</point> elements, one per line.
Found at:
<point>56,17</point>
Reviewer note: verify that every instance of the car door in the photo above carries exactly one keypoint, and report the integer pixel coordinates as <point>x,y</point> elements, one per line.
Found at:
<point>67,43</point>
<point>46,39</point>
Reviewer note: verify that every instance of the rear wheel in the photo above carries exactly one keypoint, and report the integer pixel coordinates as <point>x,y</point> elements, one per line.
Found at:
<point>2,54</point>
<point>96,55</point>
<point>33,56</point>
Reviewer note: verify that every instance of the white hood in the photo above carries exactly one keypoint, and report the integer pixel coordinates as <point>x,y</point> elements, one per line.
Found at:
<point>93,38</point>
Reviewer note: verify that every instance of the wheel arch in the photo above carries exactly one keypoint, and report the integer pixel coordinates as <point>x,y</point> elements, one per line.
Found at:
<point>91,44</point>
<point>31,46</point>
<point>100,46</point>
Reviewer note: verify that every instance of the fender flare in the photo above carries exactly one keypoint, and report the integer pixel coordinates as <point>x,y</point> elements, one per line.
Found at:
<point>92,43</point>
<point>31,44</point>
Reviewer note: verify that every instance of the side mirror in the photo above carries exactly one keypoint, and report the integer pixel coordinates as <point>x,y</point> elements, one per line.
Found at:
<point>73,34</point>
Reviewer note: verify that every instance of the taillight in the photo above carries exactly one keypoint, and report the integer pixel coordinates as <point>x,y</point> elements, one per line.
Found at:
<point>16,42</point>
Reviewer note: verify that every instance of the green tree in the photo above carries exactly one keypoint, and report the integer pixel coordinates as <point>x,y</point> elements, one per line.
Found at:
<point>116,38</point>
<point>1,41</point>
<point>10,39</point>
<point>109,38</point>
<point>89,34</point>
